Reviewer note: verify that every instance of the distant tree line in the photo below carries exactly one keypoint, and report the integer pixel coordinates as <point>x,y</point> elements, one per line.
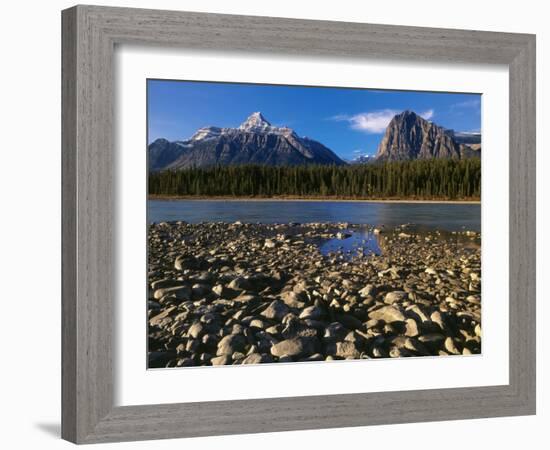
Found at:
<point>426,179</point>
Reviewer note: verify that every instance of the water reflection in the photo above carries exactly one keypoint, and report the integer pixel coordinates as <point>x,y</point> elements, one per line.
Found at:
<point>360,242</point>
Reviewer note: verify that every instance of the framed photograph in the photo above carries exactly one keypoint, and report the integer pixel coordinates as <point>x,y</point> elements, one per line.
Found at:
<point>277,224</point>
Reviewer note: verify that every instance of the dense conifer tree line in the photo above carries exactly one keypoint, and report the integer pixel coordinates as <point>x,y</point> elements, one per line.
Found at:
<point>422,179</point>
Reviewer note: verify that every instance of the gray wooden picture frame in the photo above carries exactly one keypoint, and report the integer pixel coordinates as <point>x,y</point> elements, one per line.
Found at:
<point>90,34</point>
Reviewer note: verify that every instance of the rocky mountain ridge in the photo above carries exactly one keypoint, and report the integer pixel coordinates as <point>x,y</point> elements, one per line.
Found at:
<point>255,141</point>
<point>409,137</point>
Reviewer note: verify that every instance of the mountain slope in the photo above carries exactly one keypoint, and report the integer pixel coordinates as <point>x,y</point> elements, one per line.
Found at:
<point>255,141</point>
<point>409,136</point>
<point>362,159</point>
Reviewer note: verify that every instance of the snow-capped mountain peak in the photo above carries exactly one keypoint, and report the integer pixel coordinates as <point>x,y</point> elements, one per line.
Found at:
<point>206,133</point>
<point>362,159</point>
<point>256,121</point>
<point>255,141</point>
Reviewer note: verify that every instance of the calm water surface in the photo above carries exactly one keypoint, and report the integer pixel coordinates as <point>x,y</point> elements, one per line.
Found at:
<point>360,242</point>
<point>433,216</point>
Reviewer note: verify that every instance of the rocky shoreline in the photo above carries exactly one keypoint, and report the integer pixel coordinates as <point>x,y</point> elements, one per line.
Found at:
<point>222,293</point>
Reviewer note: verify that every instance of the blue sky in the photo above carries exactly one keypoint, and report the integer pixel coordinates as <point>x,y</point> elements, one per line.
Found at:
<point>350,122</point>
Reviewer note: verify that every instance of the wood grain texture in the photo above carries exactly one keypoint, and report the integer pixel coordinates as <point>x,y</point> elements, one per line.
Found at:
<point>522,189</point>
<point>89,37</point>
<point>68,225</point>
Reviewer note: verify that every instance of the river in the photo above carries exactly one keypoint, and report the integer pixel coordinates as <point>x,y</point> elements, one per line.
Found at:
<point>432,216</point>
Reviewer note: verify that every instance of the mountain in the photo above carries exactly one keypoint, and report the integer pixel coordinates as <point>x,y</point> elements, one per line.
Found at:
<point>255,141</point>
<point>409,136</point>
<point>362,159</point>
<point>468,138</point>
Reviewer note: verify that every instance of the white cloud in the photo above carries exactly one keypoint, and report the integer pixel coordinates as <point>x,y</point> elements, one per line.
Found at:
<point>475,103</point>
<point>375,122</point>
<point>339,117</point>
<point>372,122</point>
<point>427,114</point>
